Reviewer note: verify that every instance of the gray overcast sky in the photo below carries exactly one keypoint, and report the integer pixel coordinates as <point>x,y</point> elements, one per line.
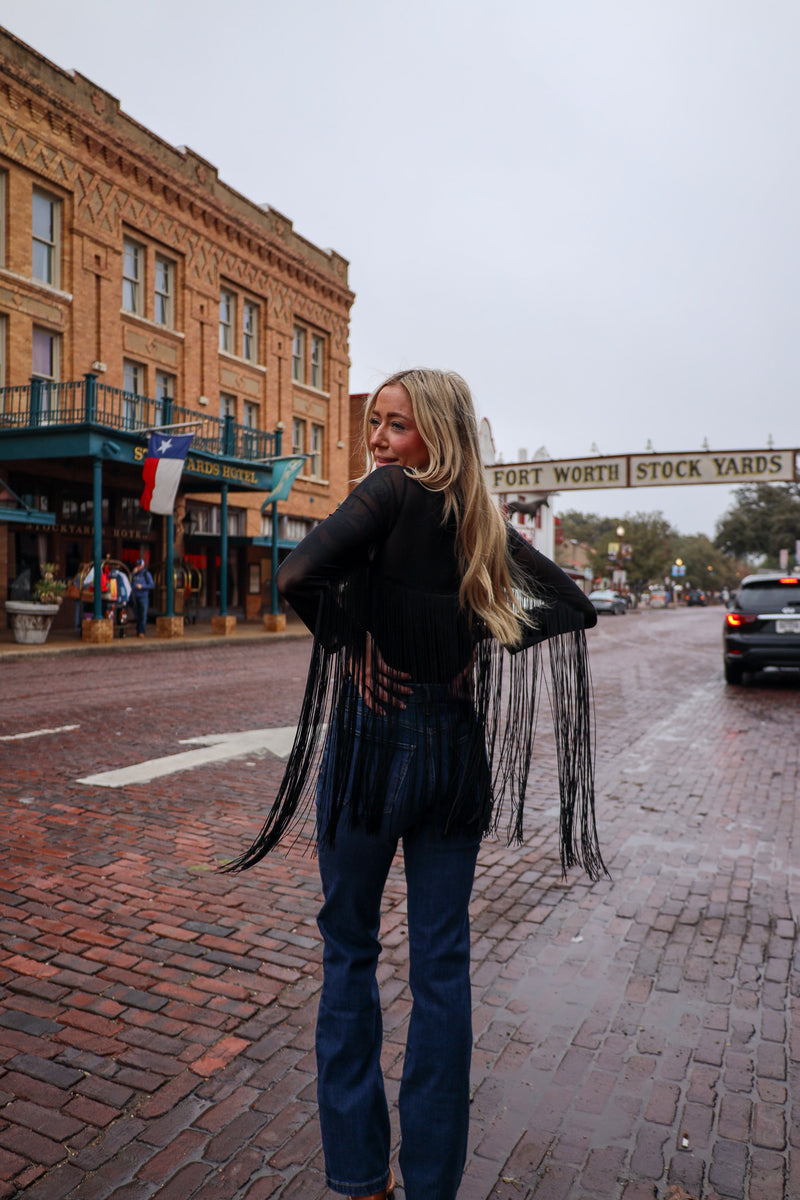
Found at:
<point>587,207</point>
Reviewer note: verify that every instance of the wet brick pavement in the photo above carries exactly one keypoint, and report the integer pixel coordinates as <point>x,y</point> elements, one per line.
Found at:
<point>636,1038</point>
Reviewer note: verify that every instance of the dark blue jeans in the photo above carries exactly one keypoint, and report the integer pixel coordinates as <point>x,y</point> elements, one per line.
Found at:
<point>140,603</point>
<point>434,1090</point>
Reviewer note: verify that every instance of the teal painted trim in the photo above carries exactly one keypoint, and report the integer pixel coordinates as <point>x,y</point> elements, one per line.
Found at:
<point>201,473</point>
<point>234,539</point>
<point>89,398</point>
<point>223,551</point>
<point>36,401</point>
<point>283,543</point>
<point>25,517</point>
<point>97,535</point>
<point>274,588</point>
<point>170,565</point>
<point>22,513</point>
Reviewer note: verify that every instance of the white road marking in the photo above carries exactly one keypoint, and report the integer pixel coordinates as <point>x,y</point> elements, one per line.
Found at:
<point>216,747</point>
<point>17,737</point>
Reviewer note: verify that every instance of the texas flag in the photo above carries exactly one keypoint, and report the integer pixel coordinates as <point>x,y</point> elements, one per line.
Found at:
<point>162,470</point>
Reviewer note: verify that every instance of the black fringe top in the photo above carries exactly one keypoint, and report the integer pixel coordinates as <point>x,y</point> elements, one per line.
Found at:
<point>377,582</point>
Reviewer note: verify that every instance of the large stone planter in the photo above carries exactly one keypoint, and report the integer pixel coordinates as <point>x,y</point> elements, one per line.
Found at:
<point>169,627</point>
<point>223,626</point>
<point>99,632</point>
<point>30,623</point>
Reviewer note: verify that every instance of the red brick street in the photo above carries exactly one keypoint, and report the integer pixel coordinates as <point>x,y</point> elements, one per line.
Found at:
<point>634,1039</point>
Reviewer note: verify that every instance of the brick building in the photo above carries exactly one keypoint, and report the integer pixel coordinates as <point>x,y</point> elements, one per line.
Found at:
<point>136,291</point>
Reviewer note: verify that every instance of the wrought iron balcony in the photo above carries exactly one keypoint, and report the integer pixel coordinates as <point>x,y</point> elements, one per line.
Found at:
<point>41,405</point>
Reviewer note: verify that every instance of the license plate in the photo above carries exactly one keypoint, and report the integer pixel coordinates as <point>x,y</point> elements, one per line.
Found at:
<point>790,625</point>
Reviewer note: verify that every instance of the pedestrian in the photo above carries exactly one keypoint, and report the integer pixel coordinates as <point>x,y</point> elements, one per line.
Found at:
<point>417,725</point>
<point>141,587</point>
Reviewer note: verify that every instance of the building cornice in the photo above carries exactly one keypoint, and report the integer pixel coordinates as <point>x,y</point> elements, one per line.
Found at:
<point>75,107</point>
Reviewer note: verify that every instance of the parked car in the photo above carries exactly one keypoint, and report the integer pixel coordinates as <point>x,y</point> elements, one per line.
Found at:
<point>605,600</point>
<point>762,625</point>
<point>696,598</point>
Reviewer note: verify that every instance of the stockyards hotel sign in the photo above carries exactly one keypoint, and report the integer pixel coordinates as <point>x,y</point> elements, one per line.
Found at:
<point>643,470</point>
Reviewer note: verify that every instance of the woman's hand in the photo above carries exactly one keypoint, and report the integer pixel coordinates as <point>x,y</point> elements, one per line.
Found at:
<point>378,684</point>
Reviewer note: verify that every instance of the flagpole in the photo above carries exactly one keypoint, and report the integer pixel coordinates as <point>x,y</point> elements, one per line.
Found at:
<point>162,428</point>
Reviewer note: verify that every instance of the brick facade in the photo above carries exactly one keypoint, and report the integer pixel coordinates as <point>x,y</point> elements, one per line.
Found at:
<point>109,184</point>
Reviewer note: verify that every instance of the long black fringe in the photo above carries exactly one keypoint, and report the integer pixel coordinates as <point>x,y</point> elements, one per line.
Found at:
<point>434,644</point>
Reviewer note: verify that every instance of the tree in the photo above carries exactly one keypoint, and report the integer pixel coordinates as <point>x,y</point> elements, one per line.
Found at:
<point>593,533</point>
<point>652,541</point>
<point>650,536</point>
<point>706,566</point>
<point>764,519</point>
<point>587,528</point>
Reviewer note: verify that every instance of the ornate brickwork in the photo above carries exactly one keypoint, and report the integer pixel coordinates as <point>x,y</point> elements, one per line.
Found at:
<point>111,180</point>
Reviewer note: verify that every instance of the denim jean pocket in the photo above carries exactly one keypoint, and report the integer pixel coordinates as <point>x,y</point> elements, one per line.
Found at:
<point>368,785</point>
<point>391,771</point>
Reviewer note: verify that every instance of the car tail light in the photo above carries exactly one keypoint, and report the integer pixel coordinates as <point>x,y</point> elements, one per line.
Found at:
<point>789,581</point>
<point>736,619</point>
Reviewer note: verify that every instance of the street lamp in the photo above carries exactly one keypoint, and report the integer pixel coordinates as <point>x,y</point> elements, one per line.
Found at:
<point>678,571</point>
<point>620,536</point>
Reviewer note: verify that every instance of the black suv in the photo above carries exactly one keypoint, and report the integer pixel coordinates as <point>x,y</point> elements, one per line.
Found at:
<point>762,625</point>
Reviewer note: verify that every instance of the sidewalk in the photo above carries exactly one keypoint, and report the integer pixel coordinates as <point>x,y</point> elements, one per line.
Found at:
<point>69,641</point>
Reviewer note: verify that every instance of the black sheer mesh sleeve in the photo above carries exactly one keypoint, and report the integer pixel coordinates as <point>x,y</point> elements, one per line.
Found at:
<point>341,544</point>
<point>563,606</point>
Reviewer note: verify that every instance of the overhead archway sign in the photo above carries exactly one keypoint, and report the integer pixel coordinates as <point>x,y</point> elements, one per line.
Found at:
<point>644,470</point>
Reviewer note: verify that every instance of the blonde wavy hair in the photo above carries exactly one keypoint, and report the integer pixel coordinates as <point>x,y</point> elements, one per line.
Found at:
<point>445,417</point>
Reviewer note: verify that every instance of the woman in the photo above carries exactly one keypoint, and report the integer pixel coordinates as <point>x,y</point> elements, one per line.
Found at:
<point>416,591</point>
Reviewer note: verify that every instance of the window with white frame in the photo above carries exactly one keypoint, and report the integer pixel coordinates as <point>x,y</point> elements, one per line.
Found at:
<point>164,291</point>
<point>292,529</point>
<point>45,366</point>
<point>299,355</point>
<point>227,306</point>
<point>237,522</point>
<point>250,331</point>
<point>308,357</point>
<point>250,422</point>
<point>133,397</point>
<point>227,405</point>
<point>296,528</point>
<point>206,518</point>
<point>3,351</point>
<point>133,378</point>
<point>133,277</point>
<point>315,461</point>
<point>45,354</point>
<point>317,359</point>
<point>298,436</point>
<point>46,219</point>
<point>165,390</point>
